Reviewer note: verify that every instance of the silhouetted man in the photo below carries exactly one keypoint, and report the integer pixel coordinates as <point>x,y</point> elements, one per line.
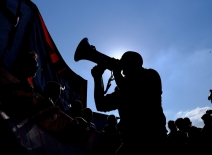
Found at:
<point>193,134</point>
<point>138,100</point>
<point>87,114</point>
<point>172,136</point>
<point>17,100</point>
<point>110,136</point>
<point>206,133</point>
<point>182,134</point>
<point>19,97</point>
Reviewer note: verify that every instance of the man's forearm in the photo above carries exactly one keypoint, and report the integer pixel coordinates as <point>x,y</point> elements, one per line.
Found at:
<point>98,93</point>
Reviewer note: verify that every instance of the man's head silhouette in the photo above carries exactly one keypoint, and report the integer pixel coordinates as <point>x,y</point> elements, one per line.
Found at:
<point>26,65</point>
<point>130,62</point>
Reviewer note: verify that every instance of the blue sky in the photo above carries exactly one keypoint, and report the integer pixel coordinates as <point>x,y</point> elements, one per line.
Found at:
<point>174,37</point>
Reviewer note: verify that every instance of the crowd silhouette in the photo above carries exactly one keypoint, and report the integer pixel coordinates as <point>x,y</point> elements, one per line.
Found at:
<point>137,132</point>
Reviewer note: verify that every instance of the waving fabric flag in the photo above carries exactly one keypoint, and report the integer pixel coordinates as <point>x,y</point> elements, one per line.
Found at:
<point>22,28</point>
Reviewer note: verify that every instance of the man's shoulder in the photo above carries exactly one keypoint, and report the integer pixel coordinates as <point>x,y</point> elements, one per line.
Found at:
<point>195,129</point>
<point>152,72</point>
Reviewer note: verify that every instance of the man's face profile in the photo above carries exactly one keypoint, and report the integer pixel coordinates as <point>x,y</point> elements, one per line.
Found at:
<point>130,62</point>
<point>32,67</point>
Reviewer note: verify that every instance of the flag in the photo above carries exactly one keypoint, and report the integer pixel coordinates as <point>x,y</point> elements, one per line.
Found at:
<point>23,28</point>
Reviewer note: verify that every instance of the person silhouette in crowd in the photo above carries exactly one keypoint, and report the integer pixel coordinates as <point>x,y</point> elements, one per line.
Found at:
<point>111,126</point>
<point>20,96</point>
<point>26,66</point>
<point>194,134</point>
<point>176,139</point>
<point>75,111</point>
<point>74,132</point>
<point>91,135</point>
<point>111,138</point>
<point>180,124</point>
<point>182,134</point>
<point>51,93</point>
<point>87,115</point>
<point>138,87</point>
<point>172,135</point>
<point>207,119</point>
<point>206,133</point>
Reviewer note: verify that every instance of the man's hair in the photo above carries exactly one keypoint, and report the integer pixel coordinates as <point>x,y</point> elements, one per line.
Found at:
<point>24,57</point>
<point>28,54</point>
<point>132,58</point>
<point>87,113</point>
<point>187,121</point>
<point>111,119</point>
<point>179,122</point>
<point>206,117</point>
<point>171,123</point>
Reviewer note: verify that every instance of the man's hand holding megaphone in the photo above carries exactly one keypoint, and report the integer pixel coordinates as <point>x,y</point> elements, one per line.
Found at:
<point>98,70</point>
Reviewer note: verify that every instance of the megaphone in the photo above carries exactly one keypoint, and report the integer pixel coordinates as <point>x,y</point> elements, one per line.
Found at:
<point>85,51</point>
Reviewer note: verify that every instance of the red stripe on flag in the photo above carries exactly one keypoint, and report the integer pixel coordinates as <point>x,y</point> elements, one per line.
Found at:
<point>30,80</point>
<point>61,70</point>
<point>54,57</point>
<point>46,33</point>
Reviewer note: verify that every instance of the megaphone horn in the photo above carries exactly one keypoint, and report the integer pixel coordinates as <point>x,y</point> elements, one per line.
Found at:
<point>85,51</point>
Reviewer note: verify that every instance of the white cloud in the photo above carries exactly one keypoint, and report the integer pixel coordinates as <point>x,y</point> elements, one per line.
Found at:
<point>194,115</point>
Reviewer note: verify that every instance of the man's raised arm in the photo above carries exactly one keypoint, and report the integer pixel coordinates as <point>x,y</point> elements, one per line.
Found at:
<point>97,72</point>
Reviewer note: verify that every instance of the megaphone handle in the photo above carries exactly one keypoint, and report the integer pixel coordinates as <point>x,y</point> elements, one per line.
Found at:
<point>108,86</point>
<point>109,83</point>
